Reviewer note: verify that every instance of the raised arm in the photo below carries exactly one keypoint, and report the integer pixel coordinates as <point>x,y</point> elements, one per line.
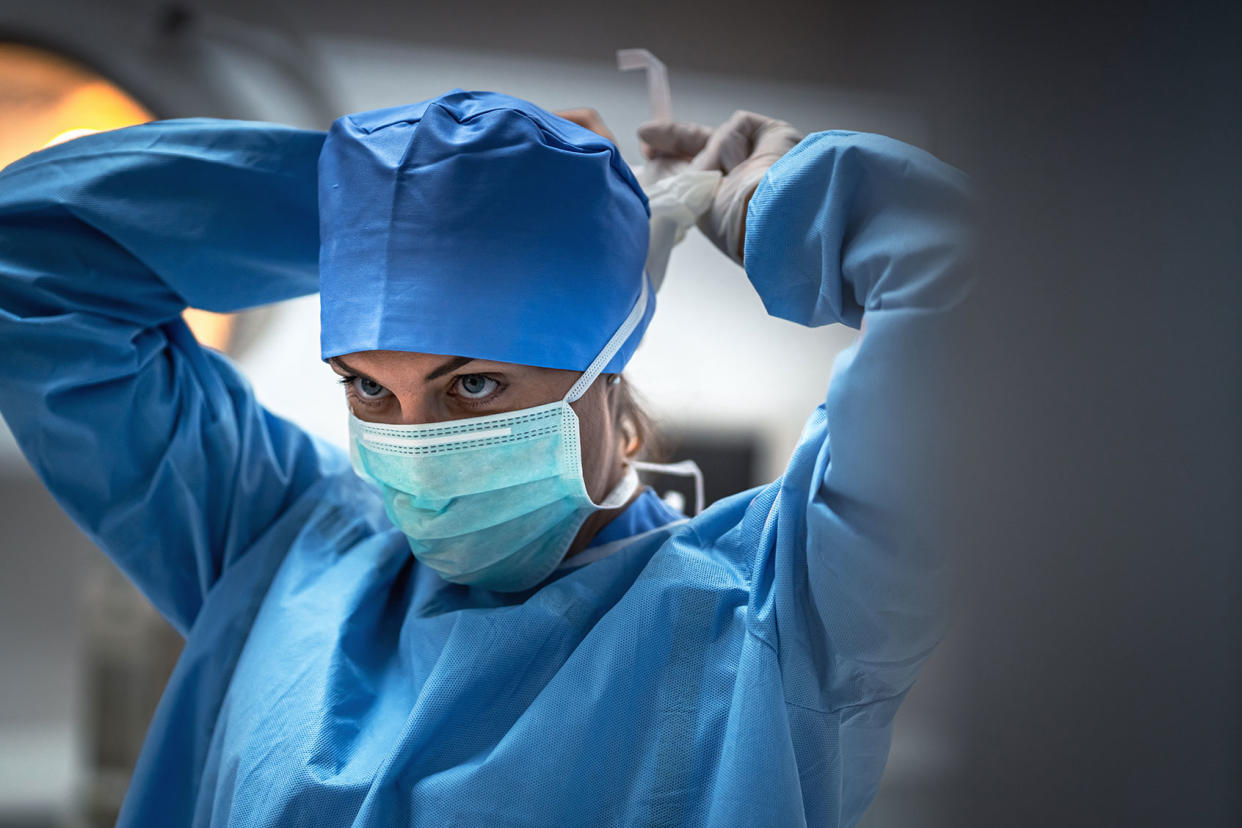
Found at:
<point>850,575</point>
<point>155,446</point>
<point>862,229</point>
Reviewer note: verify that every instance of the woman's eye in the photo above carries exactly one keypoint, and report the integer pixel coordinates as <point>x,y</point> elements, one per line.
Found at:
<point>476,386</point>
<point>369,389</point>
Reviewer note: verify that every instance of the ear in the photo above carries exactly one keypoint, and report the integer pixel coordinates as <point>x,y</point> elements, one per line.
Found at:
<point>627,440</point>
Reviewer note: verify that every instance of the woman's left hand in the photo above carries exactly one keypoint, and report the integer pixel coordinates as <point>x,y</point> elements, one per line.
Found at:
<point>743,148</point>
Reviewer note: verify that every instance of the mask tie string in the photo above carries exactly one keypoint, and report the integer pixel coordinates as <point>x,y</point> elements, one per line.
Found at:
<point>611,347</point>
<point>683,468</point>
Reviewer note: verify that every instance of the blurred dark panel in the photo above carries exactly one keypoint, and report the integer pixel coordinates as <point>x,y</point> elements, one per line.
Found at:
<point>1101,408</point>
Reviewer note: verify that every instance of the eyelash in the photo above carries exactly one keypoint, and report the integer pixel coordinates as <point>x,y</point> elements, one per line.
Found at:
<point>348,381</point>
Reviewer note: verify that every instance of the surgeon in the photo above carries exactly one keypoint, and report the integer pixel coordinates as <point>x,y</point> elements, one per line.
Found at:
<point>480,617</point>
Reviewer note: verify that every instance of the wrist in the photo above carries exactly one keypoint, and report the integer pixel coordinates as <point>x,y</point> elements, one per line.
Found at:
<point>744,186</point>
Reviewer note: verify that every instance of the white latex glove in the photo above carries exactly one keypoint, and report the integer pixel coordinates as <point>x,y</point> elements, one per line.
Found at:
<point>677,200</point>
<point>743,148</point>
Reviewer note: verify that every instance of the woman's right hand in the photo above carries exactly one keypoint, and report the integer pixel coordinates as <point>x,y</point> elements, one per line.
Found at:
<point>743,148</point>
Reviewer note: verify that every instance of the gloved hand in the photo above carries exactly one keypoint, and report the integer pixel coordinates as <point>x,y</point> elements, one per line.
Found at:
<point>743,148</point>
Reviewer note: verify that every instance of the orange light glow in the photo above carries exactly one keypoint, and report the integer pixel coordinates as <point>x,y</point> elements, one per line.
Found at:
<point>44,95</point>
<point>46,99</point>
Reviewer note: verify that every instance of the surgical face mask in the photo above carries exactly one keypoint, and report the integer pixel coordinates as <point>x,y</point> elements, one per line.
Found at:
<point>494,501</point>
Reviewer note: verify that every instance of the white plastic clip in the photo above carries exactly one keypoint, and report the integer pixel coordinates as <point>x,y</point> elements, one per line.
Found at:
<point>659,96</point>
<point>677,196</point>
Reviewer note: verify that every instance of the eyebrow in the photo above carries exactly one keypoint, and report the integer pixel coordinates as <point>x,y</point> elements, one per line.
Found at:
<point>345,366</point>
<point>452,365</point>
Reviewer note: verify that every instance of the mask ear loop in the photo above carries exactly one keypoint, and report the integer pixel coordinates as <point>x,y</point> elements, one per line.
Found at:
<point>610,349</point>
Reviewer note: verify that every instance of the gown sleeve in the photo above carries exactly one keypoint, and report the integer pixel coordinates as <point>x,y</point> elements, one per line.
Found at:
<point>867,231</point>
<point>154,445</point>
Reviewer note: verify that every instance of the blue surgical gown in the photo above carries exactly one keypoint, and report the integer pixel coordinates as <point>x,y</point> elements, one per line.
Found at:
<point>738,669</point>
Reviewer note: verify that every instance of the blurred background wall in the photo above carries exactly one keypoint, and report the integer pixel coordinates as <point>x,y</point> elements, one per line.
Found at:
<point>1092,678</point>
<point>69,624</point>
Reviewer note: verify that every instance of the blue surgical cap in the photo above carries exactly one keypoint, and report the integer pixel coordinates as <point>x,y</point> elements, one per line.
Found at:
<point>475,224</point>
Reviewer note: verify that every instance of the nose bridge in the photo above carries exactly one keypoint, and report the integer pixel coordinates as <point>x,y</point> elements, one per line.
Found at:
<point>420,406</point>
